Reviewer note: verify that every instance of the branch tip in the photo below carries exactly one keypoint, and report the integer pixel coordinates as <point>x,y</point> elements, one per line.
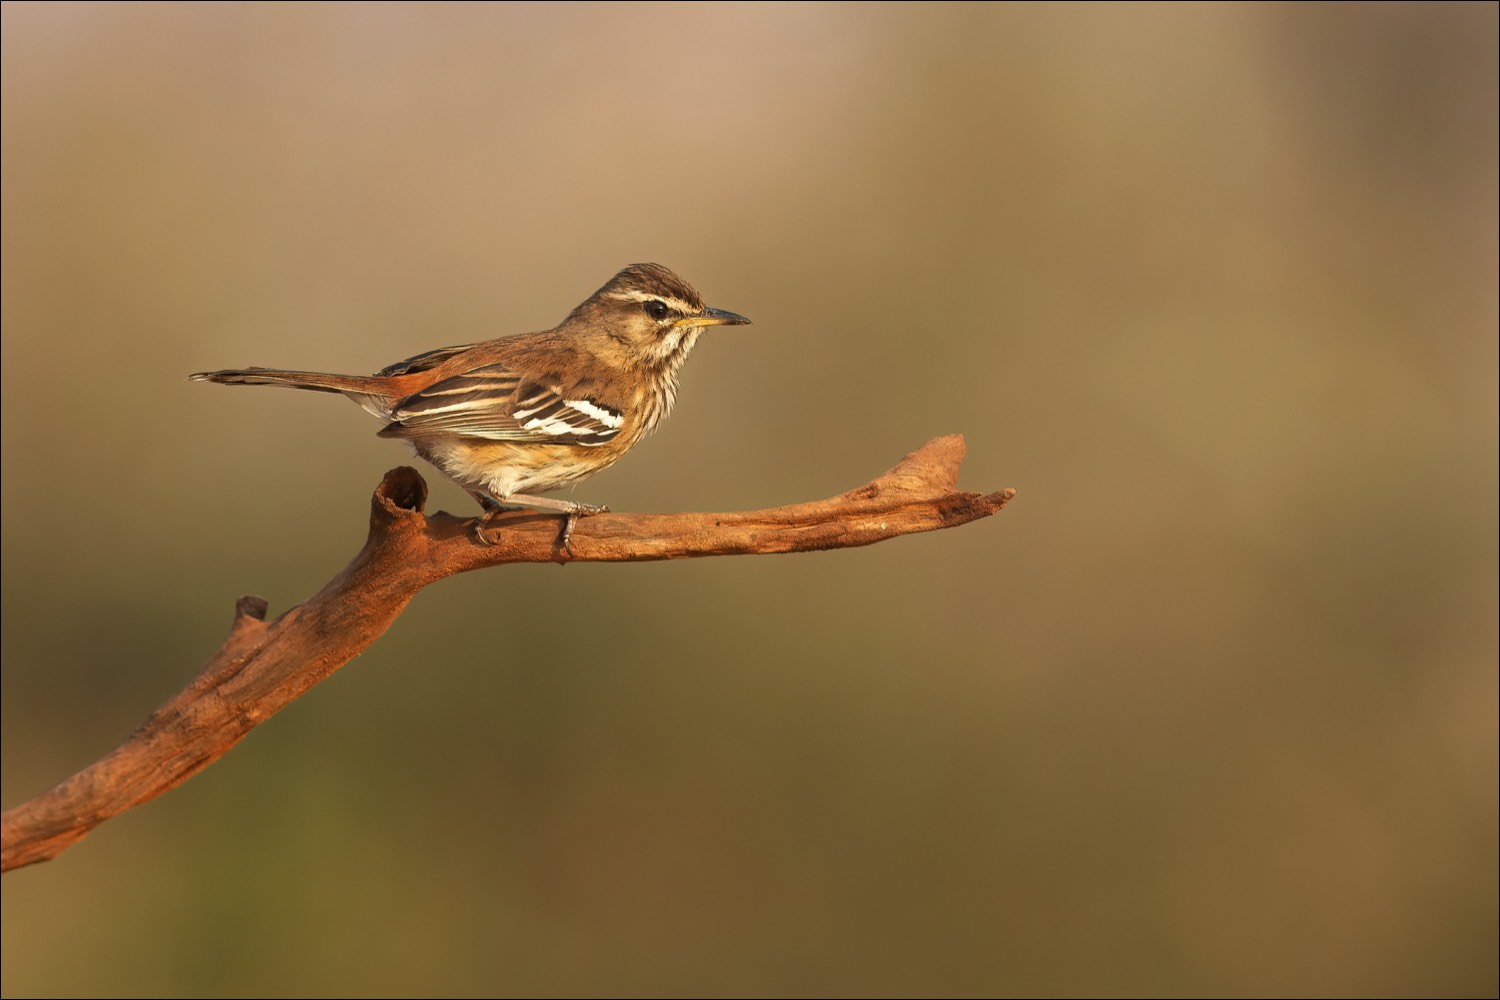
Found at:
<point>931,468</point>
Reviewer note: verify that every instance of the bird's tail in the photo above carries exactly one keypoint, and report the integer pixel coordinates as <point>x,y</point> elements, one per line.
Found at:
<point>316,381</point>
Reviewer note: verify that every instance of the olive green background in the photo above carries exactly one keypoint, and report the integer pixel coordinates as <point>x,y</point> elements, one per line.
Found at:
<point>1211,708</point>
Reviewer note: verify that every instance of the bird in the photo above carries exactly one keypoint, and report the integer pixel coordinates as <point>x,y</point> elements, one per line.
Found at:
<point>519,416</point>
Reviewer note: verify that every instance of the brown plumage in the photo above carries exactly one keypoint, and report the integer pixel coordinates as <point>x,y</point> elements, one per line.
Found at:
<point>510,418</point>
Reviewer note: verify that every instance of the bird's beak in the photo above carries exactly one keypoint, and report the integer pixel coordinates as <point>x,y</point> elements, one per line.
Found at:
<point>717,317</point>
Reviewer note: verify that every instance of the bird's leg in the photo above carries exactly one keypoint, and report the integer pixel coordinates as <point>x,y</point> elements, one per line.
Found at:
<point>571,510</point>
<point>582,510</point>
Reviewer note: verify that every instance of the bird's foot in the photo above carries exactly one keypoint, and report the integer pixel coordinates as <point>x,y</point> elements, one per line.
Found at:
<point>571,518</point>
<point>485,521</point>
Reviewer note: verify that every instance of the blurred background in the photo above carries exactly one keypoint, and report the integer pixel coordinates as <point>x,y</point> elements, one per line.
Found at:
<point>1210,708</point>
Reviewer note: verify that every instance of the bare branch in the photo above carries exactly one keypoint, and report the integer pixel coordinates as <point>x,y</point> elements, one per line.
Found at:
<point>263,666</point>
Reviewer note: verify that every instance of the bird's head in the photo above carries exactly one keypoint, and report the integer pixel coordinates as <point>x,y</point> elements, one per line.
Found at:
<point>652,312</point>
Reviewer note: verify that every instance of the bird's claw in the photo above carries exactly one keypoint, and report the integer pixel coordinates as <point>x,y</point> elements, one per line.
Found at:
<point>480,523</point>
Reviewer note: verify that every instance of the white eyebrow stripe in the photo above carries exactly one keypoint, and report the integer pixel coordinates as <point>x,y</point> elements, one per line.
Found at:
<point>607,417</point>
<point>632,295</point>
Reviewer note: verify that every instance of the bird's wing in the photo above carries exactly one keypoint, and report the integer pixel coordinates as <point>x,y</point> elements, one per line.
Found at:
<point>496,403</point>
<point>423,362</point>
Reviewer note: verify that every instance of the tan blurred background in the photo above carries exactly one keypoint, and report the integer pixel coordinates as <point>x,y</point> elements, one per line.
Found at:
<point>1210,709</point>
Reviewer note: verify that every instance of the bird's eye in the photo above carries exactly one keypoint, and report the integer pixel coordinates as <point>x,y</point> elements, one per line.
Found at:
<point>657,309</point>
